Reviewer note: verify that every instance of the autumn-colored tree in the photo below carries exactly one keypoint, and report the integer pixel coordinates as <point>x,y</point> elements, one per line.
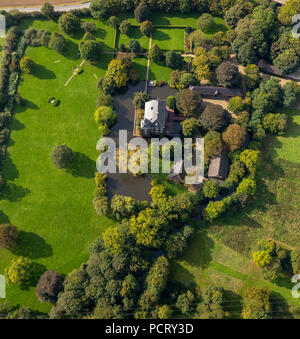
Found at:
<point>234,137</point>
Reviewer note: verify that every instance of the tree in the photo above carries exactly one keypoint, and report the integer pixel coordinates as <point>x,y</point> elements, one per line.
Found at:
<point>90,50</point>
<point>140,99</point>
<point>27,65</point>
<point>234,137</point>
<point>185,302</point>
<point>123,207</point>
<point>187,79</point>
<point>287,61</point>
<point>211,189</point>
<point>112,21</point>
<point>237,12</point>
<point>104,100</point>
<point>62,156</point>
<point>142,12</point>
<point>189,103</point>
<point>190,127</point>
<point>105,115</point>
<point>256,303</point>
<point>213,145</point>
<point>146,28</point>
<point>48,10</point>
<point>118,70</point>
<point>291,91</point>
<point>205,22</point>
<point>155,54</point>
<point>295,260</point>
<point>275,123</point>
<point>247,186</point>
<point>134,46</point>
<point>114,240</point>
<point>148,228</point>
<point>8,236</point>
<point>69,23</point>
<point>213,210</point>
<point>236,105</point>
<point>171,102</point>
<point>228,74</point>
<point>174,60</point>
<point>252,76</point>
<point>164,312</point>
<point>49,286</point>
<point>177,242</point>
<point>251,159</point>
<point>125,27</point>
<point>288,10</point>
<point>57,42</point>
<point>88,26</point>
<point>23,272</point>
<point>201,63</point>
<point>214,118</point>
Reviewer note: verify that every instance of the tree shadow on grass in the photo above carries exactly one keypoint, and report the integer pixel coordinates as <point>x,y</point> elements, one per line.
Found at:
<point>14,193</point>
<point>100,33</point>
<point>11,172</point>
<point>17,125</point>
<point>82,166</point>
<point>160,36</point>
<point>43,73</point>
<point>26,104</point>
<point>4,219</point>
<point>32,246</point>
<point>71,50</point>
<point>232,304</point>
<point>279,306</point>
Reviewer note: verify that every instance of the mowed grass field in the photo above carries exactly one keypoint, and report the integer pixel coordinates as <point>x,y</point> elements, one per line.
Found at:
<point>52,208</point>
<point>220,253</point>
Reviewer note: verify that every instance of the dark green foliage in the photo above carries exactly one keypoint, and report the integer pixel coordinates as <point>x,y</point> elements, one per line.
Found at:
<point>125,27</point>
<point>57,42</point>
<point>48,11</point>
<point>214,118</point>
<point>171,102</point>
<point>90,50</point>
<point>134,46</point>
<point>174,60</point>
<point>62,156</point>
<point>189,103</point>
<point>228,74</point>
<point>139,99</point>
<point>176,243</point>
<point>69,23</point>
<point>142,12</point>
<point>155,54</point>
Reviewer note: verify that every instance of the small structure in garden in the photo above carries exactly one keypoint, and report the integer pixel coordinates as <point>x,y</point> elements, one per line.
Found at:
<point>53,101</point>
<point>217,92</point>
<point>218,167</point>
<point>155,118</point>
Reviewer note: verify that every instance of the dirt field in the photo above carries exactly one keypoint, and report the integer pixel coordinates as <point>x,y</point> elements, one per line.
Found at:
<point>27,3</point>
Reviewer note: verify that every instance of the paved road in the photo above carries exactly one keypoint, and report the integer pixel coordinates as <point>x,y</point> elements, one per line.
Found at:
<point>56,8</point>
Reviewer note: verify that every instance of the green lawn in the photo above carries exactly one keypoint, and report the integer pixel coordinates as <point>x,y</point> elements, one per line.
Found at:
<point>140,64</point>
<point>169,38</point>
<point>53,208</point>
<point>135,34</point>
<point>220,253</point>
<point>159,72</point>
<point>104,33</point>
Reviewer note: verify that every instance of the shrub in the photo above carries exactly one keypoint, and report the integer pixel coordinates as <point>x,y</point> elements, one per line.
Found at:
<point>125,27</point>
<point>134,46</point>
<point>190,127</point>
<point>174,60</point>
<point>69,23</point>
<point>213,145</point>
<point>27,65</point>
<point>57,42</point>
<point>123,207</point>
<point>205,22</point>
<point>101,205</point>
<point>142,12</point>
<point>256,303</point>
<point>105,115</point>
<point>23,272</point>
<point>275,123</point>
<point>211,190</point>
<point>187,79</point>
<point>171,102</point>
<point>214,117</point>
<point>62,156</point>
<point>295,260</point>
<point>88,26</point>
<point>48,10</point>
<point>112,22</point>
<point>236,105</point>
<point>49,286</point>
<point>90,50</point>
<point>155,54</point>
<point>8,236</point>
<point>146,28</point>
<point>104,100</point>
<point>140,99</point>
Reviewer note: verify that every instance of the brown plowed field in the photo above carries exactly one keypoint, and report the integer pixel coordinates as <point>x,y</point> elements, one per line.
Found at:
<point>28,3</point>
